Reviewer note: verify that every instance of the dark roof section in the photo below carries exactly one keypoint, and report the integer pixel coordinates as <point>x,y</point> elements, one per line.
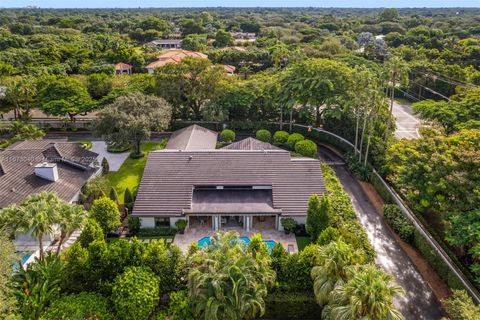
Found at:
<point>18,162</point>
<point>170,176</point>
<point>192,138</point>
<point>251,144</point>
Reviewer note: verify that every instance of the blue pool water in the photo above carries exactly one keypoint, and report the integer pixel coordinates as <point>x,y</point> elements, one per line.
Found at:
<point>23,257</point>
<point>205,241</point>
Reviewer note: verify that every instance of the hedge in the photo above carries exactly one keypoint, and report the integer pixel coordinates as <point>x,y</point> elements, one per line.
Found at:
<point>158,231</point>
<point>263,135</point>
<point>227,135</point>
<point>280,305</point>
<point>85,305</point>
<point>280,137</point>
<point>399,223</point>
<point>293,139</point>
<point>306,148</point>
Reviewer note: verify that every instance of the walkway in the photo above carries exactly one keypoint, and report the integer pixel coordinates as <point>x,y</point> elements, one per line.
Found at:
<point>419,301</point>
<point>407,123</point>
<point>115,160</point>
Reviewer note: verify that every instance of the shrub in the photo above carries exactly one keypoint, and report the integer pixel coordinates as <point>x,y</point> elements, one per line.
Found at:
<point>128,199</point>
<point>294,270</point>
<point>91,232</point>
<point>113,195</point>
<point>181,224</point>
<point>399,223</point>
<point>293,139</point>
<point>133,224</point>
<point>280,138</point>
<point>328,235</point>
<point>158,231</point>
<point>179,307</point>
<point>318,215</point>
<point>263,135</point>
<point>85,305</point>
<point>134,293</point>
<point>306,148</point>
<point>227,135</point>
<point>289,224</point>
<point>105,166</point>
<point>105,211</point>
<point>461,306</point>
<point>282,305</point>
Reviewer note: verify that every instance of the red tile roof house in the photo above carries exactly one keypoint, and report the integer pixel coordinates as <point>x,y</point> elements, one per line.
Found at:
<point>33,166</point>
<point>248,184</point>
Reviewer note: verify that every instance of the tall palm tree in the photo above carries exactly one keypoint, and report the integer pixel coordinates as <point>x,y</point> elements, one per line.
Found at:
<point>333,261</point>
<point>70,218</point>
<point>367,295</point>
<point>226,282</point>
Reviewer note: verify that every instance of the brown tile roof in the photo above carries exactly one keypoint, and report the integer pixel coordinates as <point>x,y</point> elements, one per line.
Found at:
<point>19,179</point>
<point>123,66</point>
<point>174,56</point>
<point>251,144</point>
<point>169,177</point>
<point>193,137</point>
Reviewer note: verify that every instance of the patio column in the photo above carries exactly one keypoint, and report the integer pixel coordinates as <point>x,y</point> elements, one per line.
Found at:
<point>216,222</point>
<point>247,222</point>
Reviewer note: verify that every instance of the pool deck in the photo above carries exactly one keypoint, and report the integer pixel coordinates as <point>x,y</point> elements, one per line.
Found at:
<point>192,235</point>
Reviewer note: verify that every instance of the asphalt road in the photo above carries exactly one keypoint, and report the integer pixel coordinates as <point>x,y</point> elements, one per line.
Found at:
<point>407,122</point>
<point>419,302</point>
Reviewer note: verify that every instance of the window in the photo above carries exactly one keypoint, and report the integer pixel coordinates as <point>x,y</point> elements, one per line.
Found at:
<point>162,222</point>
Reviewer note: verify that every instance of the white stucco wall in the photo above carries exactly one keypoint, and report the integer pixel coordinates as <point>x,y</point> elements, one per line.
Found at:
<point>147,222</point>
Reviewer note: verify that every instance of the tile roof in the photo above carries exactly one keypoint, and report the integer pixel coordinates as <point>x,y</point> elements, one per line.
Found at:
<point>123,66</point>
<point>174,56</point>
<point>18,161</point>
<point>170,176</point>
<point>193,137</point>
<point>251,144</point>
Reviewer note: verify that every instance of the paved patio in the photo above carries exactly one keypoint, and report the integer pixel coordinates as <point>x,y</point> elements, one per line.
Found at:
<point>192,235</point>
<point>115,160</point>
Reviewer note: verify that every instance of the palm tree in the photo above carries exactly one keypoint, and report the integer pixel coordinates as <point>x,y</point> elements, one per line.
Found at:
<point>333,261</point>
<point>367,295</point>
<point>71,217</point>
<point>227,282</point>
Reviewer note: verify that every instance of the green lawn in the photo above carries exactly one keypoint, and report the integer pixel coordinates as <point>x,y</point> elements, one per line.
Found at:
<point>302,242</point>
<point>131,171</point>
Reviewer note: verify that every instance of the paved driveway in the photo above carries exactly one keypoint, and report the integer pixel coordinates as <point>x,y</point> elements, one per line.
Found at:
<point>419,301</point>
<point>115,160</point>
<point>407,122</point>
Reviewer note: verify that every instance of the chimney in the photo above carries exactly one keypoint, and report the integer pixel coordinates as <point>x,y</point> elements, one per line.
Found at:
<point>47,171</point>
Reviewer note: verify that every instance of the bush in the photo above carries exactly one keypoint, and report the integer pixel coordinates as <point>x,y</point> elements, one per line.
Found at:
<point>227,136</point>
<point>128,199</point>
<point>306,148</point>
<point>289,224</point>
<point>280,138</point>
<point>263,135</point>
<point>135,293</point>
<point>105,211</point>
<point>158,231</point>
<point>133,224</point>
<point>293,270</point>
<point>399,223</point>
<point>91,232</point>
<point>181,224</point>
<point>113,195</point>
<point>282,305</point>
<point>293,139</point>
<point>179,307</point>
<point>105,166</point>
<point>85,305</point>
<point>461,306</point>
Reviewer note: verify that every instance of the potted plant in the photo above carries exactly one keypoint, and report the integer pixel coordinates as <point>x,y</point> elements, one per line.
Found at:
<point>289,224</point>
<point>181,224</point>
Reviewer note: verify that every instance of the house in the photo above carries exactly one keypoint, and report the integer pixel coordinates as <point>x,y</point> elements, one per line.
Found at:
<point>32,166</point>
<point>230,70</point>
<point>166,44</point>
<point>123,68</point>
<point>173,56</point>
<point>248,184</point>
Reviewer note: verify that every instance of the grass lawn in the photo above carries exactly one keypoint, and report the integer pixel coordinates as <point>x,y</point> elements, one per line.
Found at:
<point>302,242</point>
<point>131,171</point>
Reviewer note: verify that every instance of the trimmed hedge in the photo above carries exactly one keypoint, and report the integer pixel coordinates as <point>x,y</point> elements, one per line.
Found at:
<point>227,135</point>
<point>280,137</point>
<point>85,305</point>
<point>263,135</point>
<point>158,231</point>
<point>293,139</point>
<point>306,148</point>
<point>280,305</point>
<point>399,223</point>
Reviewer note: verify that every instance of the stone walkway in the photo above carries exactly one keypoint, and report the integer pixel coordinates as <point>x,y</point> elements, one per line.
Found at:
<point>192,235</point>
<point>115,160</point>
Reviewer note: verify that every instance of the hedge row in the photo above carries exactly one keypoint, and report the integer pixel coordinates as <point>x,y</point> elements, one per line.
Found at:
<point>399,223</point>
<point>158,231</point>
<point>281,305</point>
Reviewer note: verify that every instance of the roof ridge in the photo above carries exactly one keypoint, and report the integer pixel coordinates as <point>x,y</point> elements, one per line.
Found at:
<point>190,137</point>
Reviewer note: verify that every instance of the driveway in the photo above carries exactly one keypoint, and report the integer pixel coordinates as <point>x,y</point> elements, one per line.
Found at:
<point>115,160</point>
<point>407,122</point>
<point>419,302</point>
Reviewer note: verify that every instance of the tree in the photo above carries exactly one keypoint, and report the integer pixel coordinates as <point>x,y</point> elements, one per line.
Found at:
<point>131,118</point>
<point>190,84</point>
<point>20,94</point>
<point>114,195</point>
<point>70,218</point>
<point>105,166</point>
<point>7,252</point>
<point>396,72</point>
<point>36,214</point>
<point>389,14</point>
<point>461,306</point>
<point>318,215</point>
<point>61,96</point>
<point>91,232</point>
<point>105,212</point>
<point>331,268</point>
<point>135,293</point>
<point>223,39</point>
<point>22,131</point>
<point>368,294</point>
<point>195,42</point>
<point>315,82</point>
<point>227,282</point>
<point>99,85</point>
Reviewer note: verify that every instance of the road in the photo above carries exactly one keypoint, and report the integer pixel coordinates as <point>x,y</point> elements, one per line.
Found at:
<point>419,301</point>
<point>407,122</point>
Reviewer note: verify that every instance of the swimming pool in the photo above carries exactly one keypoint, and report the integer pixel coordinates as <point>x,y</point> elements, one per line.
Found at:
<point>23,257</point>
<point>205,241</point>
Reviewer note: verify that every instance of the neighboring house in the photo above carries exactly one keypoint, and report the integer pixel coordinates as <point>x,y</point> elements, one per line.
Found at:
<point>32,166</point>
<point>248,184</point>
<point>173,56</point>
<point>244,35</point>
<point>229,69</point>
<point>166,44</point>
<point>123,68</point>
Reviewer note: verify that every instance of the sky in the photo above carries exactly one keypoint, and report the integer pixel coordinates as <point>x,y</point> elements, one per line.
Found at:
<point>236,3</point>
